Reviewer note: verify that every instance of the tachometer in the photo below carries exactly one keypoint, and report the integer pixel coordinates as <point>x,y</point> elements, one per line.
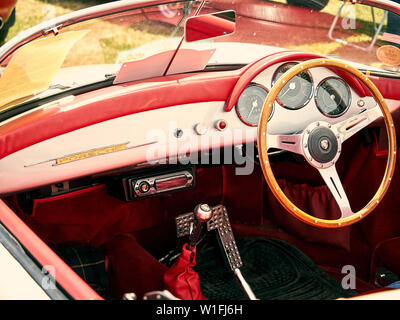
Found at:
<point>250,104</point>
<point>298,91</point>
<point>333,97</point>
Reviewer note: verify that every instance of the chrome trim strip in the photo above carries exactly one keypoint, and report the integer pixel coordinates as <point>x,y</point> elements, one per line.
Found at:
<point>89,151</point>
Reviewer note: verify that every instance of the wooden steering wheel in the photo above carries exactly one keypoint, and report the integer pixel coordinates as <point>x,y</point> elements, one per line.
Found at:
<point>320,144</point>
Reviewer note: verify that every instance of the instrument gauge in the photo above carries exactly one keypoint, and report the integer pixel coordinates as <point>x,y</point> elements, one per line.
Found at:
<point>333,97</point>
<point>250,104</point>
<point>298,91</point>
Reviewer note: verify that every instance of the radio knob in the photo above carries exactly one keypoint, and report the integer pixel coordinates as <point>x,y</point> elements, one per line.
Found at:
<point>144,187</point>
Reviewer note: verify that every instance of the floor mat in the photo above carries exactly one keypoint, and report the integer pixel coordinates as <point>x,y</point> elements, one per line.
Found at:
<point>273,268</point>
<point>89,264</point>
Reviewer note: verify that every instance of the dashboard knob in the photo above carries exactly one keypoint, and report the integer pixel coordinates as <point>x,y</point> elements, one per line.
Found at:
<point>221,125</point>
<point>200,129</point>
<point>144,187</point>
<point>203,212</point>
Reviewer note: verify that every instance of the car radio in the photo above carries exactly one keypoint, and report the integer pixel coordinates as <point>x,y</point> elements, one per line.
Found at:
<point>153,183</point>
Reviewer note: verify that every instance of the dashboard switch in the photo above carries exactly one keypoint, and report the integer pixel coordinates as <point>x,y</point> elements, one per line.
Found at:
<point>221,125</point>
<point>200,129</point>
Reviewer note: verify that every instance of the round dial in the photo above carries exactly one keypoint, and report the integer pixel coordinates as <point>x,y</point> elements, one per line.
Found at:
<point>333,97</point>
<point>297,92</point>
<point>250,104</point>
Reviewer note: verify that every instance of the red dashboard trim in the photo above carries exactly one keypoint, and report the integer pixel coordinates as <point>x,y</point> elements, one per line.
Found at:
<point>64,275</point>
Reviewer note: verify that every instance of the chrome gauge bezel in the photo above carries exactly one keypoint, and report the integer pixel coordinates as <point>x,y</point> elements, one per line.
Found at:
<point>241,117</point>
<point>311,81</point>
<point>348,103</point>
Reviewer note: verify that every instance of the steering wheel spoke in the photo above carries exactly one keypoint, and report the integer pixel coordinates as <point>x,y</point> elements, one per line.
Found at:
<point>335,185</point>
<point>347,128</point>
<point>289,142</point>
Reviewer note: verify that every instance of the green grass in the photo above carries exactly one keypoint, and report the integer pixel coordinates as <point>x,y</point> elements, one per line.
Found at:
<point>362,35</point>
<point>32,12</point>
<point>132,37</point>
<point>106,38</point>
<point>363,13</point>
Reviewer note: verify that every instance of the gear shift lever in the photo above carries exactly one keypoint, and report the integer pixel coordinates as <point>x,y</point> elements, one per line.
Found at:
<point>181,280</point>
<point>202,213</point>
<point>217,219</point>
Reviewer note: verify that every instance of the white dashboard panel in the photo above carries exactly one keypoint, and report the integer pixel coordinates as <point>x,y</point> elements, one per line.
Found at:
<point>151,135</point>
<point>148,136</point>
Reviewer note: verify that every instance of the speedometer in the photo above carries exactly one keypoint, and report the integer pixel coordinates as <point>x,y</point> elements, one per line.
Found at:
<point>298,91</point>
<point>250,104</point>
<point>333,97</point>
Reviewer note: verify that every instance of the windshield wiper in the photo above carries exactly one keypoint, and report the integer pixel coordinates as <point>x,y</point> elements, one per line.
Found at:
<point>58,86</point>
<point>74,91</point>
<point>64,86</point>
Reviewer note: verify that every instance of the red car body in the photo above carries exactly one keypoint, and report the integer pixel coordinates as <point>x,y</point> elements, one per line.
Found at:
<point>6,8</point>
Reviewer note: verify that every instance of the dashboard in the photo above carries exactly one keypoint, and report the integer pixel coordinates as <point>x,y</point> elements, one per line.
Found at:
<point>165,119</point>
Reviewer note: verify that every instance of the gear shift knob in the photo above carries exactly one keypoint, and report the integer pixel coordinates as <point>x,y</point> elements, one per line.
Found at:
<point>202,212</point>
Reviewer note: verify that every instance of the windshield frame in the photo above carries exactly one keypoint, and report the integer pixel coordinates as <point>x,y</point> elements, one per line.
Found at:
<point>56,24</point>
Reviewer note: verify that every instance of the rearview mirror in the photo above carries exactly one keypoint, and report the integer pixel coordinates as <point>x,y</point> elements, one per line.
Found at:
<point>210,26</point>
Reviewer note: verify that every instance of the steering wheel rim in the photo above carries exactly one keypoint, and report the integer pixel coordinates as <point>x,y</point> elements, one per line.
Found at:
<point>342,133</point>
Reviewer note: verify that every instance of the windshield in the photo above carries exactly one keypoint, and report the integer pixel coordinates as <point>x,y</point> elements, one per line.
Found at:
<point>92,51</point>
<point>100,49</point>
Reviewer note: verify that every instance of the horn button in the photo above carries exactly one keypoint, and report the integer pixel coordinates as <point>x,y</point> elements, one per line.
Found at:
<point>322,146</point>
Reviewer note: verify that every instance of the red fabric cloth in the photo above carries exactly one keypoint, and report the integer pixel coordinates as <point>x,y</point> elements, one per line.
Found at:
<point>131,268</point>
<point>181,280</point>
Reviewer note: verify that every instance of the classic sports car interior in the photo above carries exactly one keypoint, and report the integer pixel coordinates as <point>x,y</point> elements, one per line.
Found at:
<point>205,150</point>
